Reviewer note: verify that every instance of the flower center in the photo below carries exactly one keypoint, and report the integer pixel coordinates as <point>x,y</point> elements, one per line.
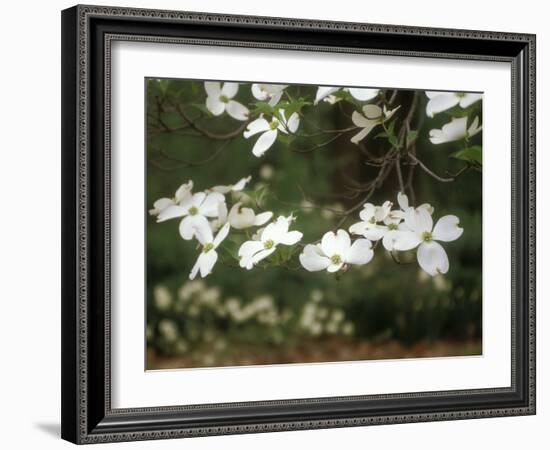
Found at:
<point>372,220</point>
<point>207,247</point>
<point>392,226</point>
<point>193,210</point>
<point>274,124</point>
<point>426,235</point>
<point>460,94</point>
<point>224,99</point>
<point>269,244</point>
<point>335,259</point>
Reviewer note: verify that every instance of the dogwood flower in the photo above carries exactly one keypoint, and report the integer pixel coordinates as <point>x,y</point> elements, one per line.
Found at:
<point>220,98</point>
<point>442,101</point>
<point>370,216</point>
<point>372,116</point>
<point>394,221</point>
<point>455,130</point>
<point>361,94</point>
<point>208,257</point>
<point>276,233</point>
<point>181,194</point>
<point>421,233</point>
<point>195,210</point>
<point>221,219</point>
<point>241,218</point>
<point>403,202</point>
<point>270,130</point>
<point>238,186</point>
<point>271,93</point>
<point>335,252</point>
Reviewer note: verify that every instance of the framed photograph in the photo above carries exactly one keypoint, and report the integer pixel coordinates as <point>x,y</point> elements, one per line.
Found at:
<point>267,222</point>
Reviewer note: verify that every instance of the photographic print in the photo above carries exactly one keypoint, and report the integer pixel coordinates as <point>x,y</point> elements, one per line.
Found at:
<point>301,224</point>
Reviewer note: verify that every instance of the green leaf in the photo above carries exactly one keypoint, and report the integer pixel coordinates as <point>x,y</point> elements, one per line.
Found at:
<point>231,248</point>
<point>470,154</point>
<point>294,106</point>
<point>264,108</point>
<point>412,135</point>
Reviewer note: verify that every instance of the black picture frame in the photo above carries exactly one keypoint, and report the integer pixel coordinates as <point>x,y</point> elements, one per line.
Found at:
<point>87,416</point>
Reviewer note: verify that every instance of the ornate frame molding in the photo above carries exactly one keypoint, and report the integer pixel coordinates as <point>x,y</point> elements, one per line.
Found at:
<point>86,62</point>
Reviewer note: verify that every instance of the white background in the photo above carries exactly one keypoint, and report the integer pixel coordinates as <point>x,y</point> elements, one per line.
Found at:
<point>30,229</point>
<point>132,387</point>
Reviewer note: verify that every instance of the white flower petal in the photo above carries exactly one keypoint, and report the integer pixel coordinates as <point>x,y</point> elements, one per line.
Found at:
<point>323,91</point>
<point>237,111</point>
<point>360,136</point>
<point>204,235</point>
<point>368,212</point>
<point>403,201</point>
<point>363,94</point>
<point>215,105</point>
<point>427,207</point>
<point>249,248</point>
<point>375,232</point>
<point>406,240</point>
<point>313,259</point>
<point>195,268</point>
<point>360,252</point>
<point>171,212</point>
<point>206,262</point>
<point>474,128</point>
<point>191,225</point>
<point>335,267</point>
<point>359,120</point>
<point>432,94</point>
<point>452,131</point>
<point>329,244</point>
<point>160,205</point>
<point>293,122</point>
<point>275,99</point>
<point>259,93</point>
<point>343,243</point>
<point>469,99</point>
<point>277,230</point>
<point>424,220</point>
<point>240,185</point>
<point>241,218</point>
<point>229,90</point>
<point>359,228</point>
<point>256,126</point>
<point>446,229</point>
<point>184,191</point>
<point>262,255</point>
<point>381,212</point>
<point>213,88</point>
<point>432,258</point>
<point>264,142</point>
<point>209,206</point>
<point>441,102</point>
<point>291,238</point>
<point>222,234</point>
<point>373,112</point>
<point>389,240</point>
<point>262,218</point>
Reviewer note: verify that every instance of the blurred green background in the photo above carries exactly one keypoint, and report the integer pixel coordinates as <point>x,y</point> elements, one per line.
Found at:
<point>281,315</point>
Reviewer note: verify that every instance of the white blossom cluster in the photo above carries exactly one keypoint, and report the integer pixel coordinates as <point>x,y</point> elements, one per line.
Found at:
<point>209,309</point>
<point>220,99</point>
<point>205,217</point>
<point>402,229</point>
<point>206,306</point>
